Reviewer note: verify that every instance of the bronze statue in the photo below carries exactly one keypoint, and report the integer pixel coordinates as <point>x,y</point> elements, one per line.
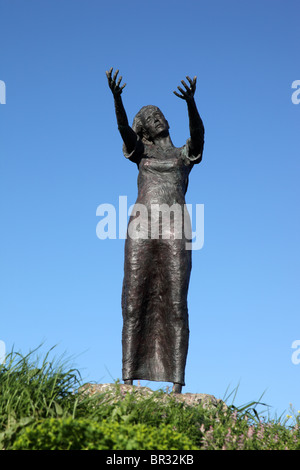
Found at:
<point>157,263</point>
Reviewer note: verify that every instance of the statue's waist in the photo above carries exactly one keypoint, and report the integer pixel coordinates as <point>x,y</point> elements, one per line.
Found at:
<point>150,201</point>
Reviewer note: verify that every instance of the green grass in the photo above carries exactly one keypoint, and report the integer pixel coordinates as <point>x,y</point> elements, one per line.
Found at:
<point>42,407</point>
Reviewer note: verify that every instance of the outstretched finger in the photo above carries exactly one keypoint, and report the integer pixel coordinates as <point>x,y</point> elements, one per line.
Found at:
<point>192,82</point>
<point>185,85</point>
<point>115,75</point>
<point>123,86</point>
<point>119,81</point>
<point>181,91</point>
<point>108,73</point>
<point>177,94</point>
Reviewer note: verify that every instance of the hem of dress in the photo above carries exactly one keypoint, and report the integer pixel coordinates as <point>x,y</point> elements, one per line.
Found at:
<point>152,379</point>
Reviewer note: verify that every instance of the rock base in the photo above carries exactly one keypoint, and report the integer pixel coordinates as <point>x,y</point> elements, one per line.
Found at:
<point>118,391</point>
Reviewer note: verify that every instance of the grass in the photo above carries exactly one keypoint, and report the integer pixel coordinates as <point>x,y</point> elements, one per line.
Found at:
<point>38,395</point>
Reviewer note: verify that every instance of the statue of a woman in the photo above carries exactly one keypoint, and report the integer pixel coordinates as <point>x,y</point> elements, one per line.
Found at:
<point>157,263</point>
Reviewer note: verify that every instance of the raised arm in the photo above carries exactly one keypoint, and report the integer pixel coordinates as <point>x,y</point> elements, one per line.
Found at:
<point>195,121</point>
<point>127,133</point>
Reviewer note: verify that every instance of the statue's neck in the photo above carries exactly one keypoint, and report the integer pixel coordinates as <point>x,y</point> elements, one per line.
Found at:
<point>164,141</point>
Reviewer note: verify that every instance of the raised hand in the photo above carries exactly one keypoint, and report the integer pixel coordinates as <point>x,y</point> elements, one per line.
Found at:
<point>113,84</point>
<point>188,93</point>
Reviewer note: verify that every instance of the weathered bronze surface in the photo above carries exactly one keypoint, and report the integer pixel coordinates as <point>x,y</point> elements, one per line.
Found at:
<point>157,262</point>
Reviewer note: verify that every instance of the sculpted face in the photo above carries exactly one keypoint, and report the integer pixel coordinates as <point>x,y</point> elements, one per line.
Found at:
<point>155,123</point>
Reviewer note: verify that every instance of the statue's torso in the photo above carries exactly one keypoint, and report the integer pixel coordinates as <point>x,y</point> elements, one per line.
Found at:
<point>163,176</point>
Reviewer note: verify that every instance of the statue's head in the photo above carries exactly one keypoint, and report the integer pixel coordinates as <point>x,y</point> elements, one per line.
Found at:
<point>149,123</point>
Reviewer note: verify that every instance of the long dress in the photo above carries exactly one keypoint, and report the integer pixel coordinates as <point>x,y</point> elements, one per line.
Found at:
<point>157,268</point>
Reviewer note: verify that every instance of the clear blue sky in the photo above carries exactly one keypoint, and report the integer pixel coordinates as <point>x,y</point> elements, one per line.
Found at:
<point>61,156</point>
